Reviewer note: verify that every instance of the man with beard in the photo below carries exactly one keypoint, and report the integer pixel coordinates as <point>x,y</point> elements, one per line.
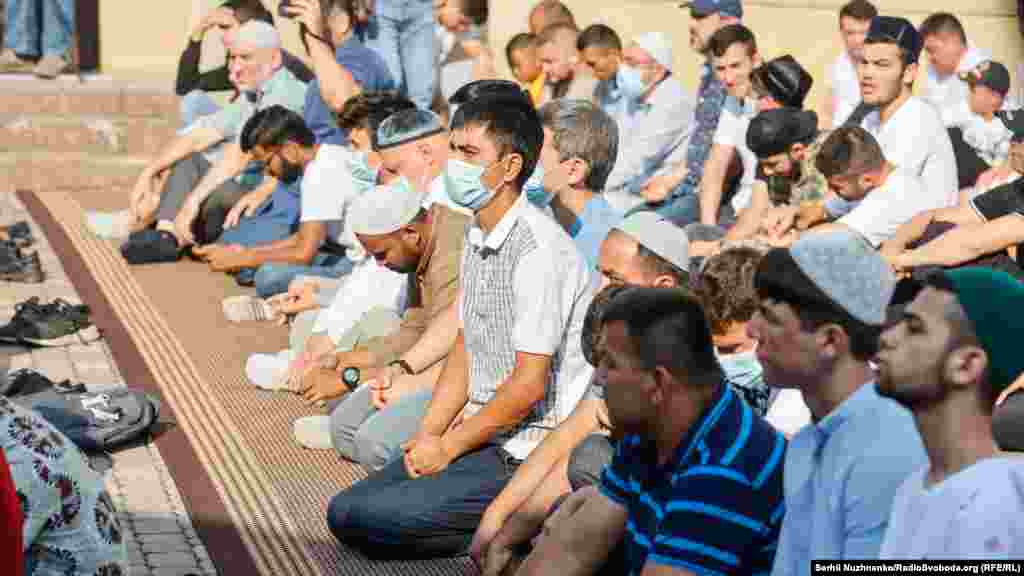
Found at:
<point>947,359</point>
<point>425,244</point>
<point>823,302</point>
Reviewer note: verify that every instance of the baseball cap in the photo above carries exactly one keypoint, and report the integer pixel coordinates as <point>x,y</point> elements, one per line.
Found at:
<point>659,235</point>
<point>993,301</point>
<point>732,8</point>
<point>773,131</point>
<point>837,270</point>
<point>895,30</point>
<point>386,209</point>
<point>658,46</point>
<point>991,74</point>
<point>784,79</point>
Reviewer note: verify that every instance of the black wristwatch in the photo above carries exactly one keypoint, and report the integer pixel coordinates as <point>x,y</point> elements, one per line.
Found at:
<point>350,377</point>
<point>404,366</point>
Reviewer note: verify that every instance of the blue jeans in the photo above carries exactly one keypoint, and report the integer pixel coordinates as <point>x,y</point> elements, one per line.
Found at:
<point>40,27</point>
<point>374,437</point>
<point>390,515</point>
<point>195,105</point>
<point>273,278</point>
<point>402,32</point>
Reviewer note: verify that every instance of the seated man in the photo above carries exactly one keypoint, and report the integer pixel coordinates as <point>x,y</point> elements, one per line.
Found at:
<point>425,245</point>
<point>785,142</point>
<point>194,86</point>
<point>196,196</point>
<point>875,196</point>
<point>986,225</point>
<point>331,178</point>
<point>655,116</point>
<point>564,75</point>
<point>601,50</point>
<point>515,370</point>
<point>644,249</point>
<point>330,253</point>
<point>981,140</point>
<point>774,84</point>
<point>947,360</point>
<point>580,146</point>
<point>667,392</point>
<point>823,302</point>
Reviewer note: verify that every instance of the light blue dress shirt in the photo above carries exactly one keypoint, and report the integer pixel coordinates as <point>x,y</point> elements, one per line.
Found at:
<point>592,226</point>
<point>841,477</point>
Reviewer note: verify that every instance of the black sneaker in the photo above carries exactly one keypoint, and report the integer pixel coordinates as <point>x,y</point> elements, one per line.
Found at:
<point>9,251</point>
<point>28,311</point>
<point>19,233</point>
<point>151,246</point>
<point>27,269</point>
<point>27,381</point>
<point>55,324</point>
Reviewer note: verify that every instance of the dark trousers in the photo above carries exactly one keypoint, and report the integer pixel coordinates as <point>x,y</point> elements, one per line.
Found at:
<point>1008,423</point>
<point>588,459</point>
<point>390,515</point>
<point>968,164</point>
<point>185,176</point>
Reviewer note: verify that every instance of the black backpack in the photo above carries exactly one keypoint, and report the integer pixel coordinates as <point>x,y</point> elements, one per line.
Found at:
<point>94,422</point>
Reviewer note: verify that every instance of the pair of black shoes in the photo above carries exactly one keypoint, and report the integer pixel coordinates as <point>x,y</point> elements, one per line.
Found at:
<point>57,323</point>
<point>16,266</point>
<point>151,246</point>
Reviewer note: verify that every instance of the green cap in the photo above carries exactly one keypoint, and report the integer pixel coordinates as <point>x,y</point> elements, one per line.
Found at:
<point>994,302</point>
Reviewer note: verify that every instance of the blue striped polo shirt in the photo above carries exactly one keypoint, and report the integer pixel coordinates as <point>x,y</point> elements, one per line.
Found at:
<point>716,507</point>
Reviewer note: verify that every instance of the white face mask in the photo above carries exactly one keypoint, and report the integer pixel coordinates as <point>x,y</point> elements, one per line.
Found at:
<point>630,81</point>
<point>364,176</point>
<point>464,184</point>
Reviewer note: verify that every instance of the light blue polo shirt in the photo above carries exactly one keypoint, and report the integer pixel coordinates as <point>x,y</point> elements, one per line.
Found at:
<point>841,477</point>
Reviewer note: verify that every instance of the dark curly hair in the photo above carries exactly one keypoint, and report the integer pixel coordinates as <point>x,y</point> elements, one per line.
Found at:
<point>591,343</point>
<point>726,287</point>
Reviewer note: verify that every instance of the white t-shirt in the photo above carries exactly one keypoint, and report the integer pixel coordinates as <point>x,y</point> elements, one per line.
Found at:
<point>845,89</point>
<point>788,412</point>
<point>327,193</point>
<point>732,131</point>
<point>991,139</point>
<point>915,139</point>
<point>946,92</point>
<point>895,202</point>
<point>978,513</point>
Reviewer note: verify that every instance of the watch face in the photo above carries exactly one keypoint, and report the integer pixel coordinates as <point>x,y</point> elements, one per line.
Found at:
<point>350,376</point>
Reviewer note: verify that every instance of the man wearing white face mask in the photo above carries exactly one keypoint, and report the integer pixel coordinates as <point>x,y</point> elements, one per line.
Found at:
<point>654,114</point>
<point>516,369</point>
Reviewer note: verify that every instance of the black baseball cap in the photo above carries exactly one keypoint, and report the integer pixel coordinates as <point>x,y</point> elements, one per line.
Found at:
<point>991,74</point>
<point>773,131</point>
<point>895,30</point>
<point>1014,122</point>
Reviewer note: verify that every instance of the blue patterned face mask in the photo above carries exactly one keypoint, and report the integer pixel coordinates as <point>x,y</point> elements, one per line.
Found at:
<point>364,177</point>
<point>534,188</point>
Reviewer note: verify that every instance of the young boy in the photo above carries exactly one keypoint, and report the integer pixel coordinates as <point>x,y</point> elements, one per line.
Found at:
<point>524,61</point>
<point>980,139</point>
<point>725,287</point>
<point>843,94</point>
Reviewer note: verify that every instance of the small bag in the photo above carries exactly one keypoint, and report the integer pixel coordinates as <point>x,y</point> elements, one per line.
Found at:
<point>94,422</point>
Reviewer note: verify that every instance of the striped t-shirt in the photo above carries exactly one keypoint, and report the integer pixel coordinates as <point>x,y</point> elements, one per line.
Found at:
<point>716,507</point>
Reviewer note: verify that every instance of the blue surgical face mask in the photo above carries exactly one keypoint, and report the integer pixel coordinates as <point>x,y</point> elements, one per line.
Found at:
<point>364,176</point>
<point>534,188</point>
<point>465,188</point>
<point>631,83</point>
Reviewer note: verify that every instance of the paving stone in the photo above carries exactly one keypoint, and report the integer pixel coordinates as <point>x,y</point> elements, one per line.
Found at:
<point>54,362</point>
<point>157,526</point>
<point>172,559</point>
<point>138,570</point>
<point>163,543</point>
<point>173,570</point>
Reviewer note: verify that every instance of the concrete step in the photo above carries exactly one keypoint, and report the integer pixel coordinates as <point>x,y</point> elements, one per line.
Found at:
<point>84,133</point>
<point>88,95</point>
<point>41,170</point>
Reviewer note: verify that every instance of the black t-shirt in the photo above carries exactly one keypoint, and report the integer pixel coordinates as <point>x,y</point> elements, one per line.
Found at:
<point>1002,201</point>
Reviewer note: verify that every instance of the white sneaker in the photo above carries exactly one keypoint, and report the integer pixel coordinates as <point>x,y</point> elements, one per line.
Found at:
<point>313,432</point>
<point>269,371</point>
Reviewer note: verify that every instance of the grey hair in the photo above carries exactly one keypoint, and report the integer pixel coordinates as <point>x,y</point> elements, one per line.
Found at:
<point>582,130</point>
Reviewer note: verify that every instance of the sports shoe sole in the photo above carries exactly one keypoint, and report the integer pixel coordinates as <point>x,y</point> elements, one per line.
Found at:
<point>32,277</point>
<point>85,335</point>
